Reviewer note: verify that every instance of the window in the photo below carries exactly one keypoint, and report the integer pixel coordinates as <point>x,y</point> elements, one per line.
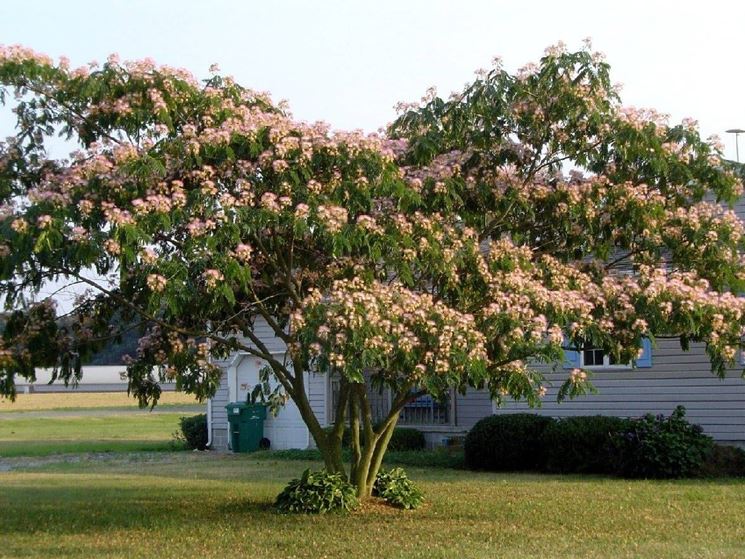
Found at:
<point>425,410</point>
<point>597,358</point>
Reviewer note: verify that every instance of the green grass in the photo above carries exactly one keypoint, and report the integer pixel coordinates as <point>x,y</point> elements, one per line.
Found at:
<point>182,408</point>
<point>72,400</point>
<point>437,458</point>
<point>41,436</point>
<point>207,505</point>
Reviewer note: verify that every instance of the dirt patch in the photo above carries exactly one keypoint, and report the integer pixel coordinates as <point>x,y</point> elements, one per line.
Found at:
<point>376,505</point>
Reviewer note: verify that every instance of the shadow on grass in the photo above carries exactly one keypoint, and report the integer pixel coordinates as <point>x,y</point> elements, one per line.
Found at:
<point>37,448</point>
<point>86,505</point>
<point>437,458</point>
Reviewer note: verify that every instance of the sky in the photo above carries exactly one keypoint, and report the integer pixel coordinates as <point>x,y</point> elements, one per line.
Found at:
<point>349,62</point>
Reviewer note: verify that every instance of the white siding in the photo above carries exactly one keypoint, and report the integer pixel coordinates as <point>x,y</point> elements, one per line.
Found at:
<point>220,415</point>
<point>316,386</point>
<point>221,399</point>
<point>316,389</point>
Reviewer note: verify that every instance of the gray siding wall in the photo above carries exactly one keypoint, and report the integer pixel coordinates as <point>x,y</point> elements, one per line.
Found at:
<point>316,389</point>
<point>471,407</point>
<point>675,378</point>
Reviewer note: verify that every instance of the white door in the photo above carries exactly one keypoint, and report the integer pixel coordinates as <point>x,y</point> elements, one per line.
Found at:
<point>287,430</point>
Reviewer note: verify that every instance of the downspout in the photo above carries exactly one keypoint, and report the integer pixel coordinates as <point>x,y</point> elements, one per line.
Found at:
<point>209,423</point>
<point>209,400</point>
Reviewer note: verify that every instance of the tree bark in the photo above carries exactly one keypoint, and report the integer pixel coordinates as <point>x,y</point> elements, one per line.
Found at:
<point>380,448</point>
<point>354,426</point>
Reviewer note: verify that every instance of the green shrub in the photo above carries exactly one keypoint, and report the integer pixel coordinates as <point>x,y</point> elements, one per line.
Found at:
<point>583,444</point>
<point>405,438</point>
<point>194,431</point>
<point>662,447</point>
<point>724,461</point>
<point>397,489</point>
<point>507,442</point>
<point>317,492</point>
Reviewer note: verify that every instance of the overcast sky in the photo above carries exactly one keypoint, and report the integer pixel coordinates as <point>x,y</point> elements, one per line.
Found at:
<point>348,62</point>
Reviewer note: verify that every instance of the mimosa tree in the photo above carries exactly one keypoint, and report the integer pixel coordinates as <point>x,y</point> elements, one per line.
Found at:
<point>481,235</point>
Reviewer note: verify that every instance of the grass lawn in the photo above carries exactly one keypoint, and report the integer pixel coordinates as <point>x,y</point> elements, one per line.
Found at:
<point>40,436</point>
<point>209,505</point>
<point>42,424</point>
<point>90,400</point>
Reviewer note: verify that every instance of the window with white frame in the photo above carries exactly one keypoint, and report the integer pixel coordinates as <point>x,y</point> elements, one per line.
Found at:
<point>599,359</point>
<point>425,410</point>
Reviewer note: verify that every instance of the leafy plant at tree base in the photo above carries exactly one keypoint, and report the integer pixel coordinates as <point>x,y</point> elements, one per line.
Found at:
<point>451,252</point>
<point>193,431</point>
<point>317,492</point>
<point>662,447</point>
<point>397,489</point>
<point>510,442</point>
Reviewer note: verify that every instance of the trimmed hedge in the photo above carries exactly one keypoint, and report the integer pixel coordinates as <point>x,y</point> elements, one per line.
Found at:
<point>646,447</point>
<point>507,442</point>
<point>584,444</point>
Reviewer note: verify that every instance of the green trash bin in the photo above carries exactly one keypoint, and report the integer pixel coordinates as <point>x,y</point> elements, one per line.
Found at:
<point>246,423</point>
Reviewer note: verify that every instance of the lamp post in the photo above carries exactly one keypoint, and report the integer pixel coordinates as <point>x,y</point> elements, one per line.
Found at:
<point>736,132</point>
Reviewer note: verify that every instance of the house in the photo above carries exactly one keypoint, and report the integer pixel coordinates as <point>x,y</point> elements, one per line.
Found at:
<point>665,376</point>
<point>662,378</point>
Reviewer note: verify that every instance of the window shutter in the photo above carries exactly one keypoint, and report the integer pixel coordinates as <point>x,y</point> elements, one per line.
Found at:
<point>645,361</point>
<point>571,357</point>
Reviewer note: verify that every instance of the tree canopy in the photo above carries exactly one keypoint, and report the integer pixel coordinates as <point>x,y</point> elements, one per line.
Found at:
<point>480,235</point>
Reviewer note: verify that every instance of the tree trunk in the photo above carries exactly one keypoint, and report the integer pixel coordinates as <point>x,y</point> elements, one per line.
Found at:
<point>368,444</point>
<point>380,448</point>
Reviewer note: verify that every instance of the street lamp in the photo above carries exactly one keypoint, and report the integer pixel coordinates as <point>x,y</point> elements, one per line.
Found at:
<point>736,132</point>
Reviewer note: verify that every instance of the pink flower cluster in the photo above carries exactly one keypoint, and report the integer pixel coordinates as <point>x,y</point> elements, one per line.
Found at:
<point>391,323</point>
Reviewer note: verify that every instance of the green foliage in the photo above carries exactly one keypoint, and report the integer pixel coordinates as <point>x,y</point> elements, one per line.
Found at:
<point>645,447</point>
<point>724,461</point>
<point>397,489</point>
<point>317,492</point>
<point>450,252</point>
<point>403,438</point>
<point>583,444</point>
<point>662,447</point>
<point>507,442</point>
<point>194,431</point>
<point>406,438</point>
